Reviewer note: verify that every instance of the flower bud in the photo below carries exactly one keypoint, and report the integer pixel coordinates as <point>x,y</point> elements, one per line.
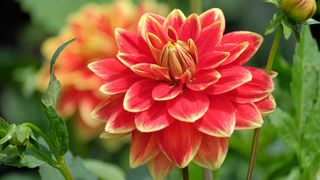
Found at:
<point>299,10</point>
<point>21,135</point>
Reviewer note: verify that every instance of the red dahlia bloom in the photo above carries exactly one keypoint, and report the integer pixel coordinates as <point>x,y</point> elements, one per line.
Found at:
<point>180,87</point>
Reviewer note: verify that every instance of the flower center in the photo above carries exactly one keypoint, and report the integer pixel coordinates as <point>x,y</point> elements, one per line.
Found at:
<point>179,57</point>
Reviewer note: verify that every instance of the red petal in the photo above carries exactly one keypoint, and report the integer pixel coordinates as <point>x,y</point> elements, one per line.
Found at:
<point>255,90</point>
<point>107,135</point>
<point>231,78</point>
<point>212,16</point>
<point>266,105</point>
<point>109,68</point>
<point>131,43</point>
<point>153,119</point>
<point>220,119</point>
<point>132,59</point>
<point>237,37</point>
<point>143,148</point>
<point>212,59</point>
<point>247,116</point>
<point>175,19</point>
<point>118,85</point>
<point>209,38</point>
<point>104,110</point>
<point>190,29</point>
<point>189,106</point>
<point>149,24</point>
<point>179,142</point>
<point>235,50</point>
<point>151,71</point>
<point>212,152</point>
<point>203,79</point>
<point>159,167</point>
<point>155,45</point>
<point>165,91</point>
<point>138,97</point>
<point>120,121</point>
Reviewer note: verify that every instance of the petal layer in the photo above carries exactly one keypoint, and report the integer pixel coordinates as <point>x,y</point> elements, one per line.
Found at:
<point>179,142</point>
<point>248,116</point>
<point>212,152</point>
<point>143,148</point>
<point>266,105</point>
<point>159,167</point>
<point>189,106</point>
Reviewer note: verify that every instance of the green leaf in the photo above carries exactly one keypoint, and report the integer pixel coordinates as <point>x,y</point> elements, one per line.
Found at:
<point>272,25</point>
<point>3,124</point>
<point>9,135</point>
<point>286,128</point>
<point>51,97</point>
<point>310,22</point>
<point>76,166</point>
<point>30,161</point>
<point>58,130</point>
<point>287,31</point>
<point>275,2</point>
<point>104,170</point>
<point>44,12</point>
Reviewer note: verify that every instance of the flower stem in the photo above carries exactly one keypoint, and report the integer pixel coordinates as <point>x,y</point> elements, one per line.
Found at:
<point>185,173</point>
<point>195,6</point>
<point>207,174</point>
<point>268,69</point>
<point>63,168</point>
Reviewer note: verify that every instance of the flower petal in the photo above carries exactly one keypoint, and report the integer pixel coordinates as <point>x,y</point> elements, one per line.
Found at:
<point>255,90</point>
<point>159,167</point>
<point>149,24</point>
<point>211,16</point>
<point>132,59</point>
<point>212,152</point>
<point>105,109</point>
<point>231,78</point>
<point>212,59</point>
<point>254,39</point>
<point>155,45</point>
<point>165,91</point>
<point>203,79</point>
<point>131,43</point>
<point>235,50</point>
<point>266,105</point>
<point>209,38</point>
<point>247,116</point>
<point>152,71</point>
<point>179,142</point>
<point>190,29</point>
<point>153,119</point>
<point>120,121</point>
<point>108,68</point>
<point>175,19</point>
<point>118,85</point>
<point>220,120</point>
<point>189,106</point>
<point>143,148</point>
<point>138,98</point>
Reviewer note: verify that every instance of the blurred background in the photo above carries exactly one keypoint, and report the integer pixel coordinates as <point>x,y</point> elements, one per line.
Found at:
<point>32,29</point>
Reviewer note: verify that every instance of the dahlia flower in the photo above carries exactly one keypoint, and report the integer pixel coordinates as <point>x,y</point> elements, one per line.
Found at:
<point>180,88</point>
<point>93,25</point>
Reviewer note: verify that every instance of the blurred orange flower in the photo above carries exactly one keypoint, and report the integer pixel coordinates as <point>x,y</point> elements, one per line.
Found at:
<point>94,27</point>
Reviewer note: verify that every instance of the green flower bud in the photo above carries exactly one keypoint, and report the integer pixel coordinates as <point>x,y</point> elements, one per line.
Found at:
<point>21,135</point>
<point>298,10</point>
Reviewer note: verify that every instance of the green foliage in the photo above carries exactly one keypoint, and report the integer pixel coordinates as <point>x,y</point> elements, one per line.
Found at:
<point>44,12</point>
<point>301,130</point>
<point>104,170</point>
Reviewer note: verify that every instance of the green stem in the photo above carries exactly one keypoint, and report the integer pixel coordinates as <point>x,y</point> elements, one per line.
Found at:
<point>195,6</point>
<point>185,173</point>
<point>44,136</point>
<point>63,168</point>
<point>43,156</point>
<point>268,69</point>
<point>273,50</point>
<point>207,174</point>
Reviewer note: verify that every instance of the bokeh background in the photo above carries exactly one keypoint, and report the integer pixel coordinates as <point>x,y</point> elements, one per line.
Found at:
<point>26,24</point>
